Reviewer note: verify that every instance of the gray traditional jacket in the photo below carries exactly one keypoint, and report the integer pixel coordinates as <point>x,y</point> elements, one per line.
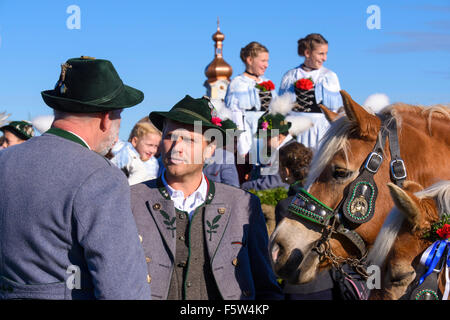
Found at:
<point>66,227</point>
<point>235,236</point>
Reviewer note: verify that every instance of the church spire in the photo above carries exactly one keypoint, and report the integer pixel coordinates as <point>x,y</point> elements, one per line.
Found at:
<point>218,68</point>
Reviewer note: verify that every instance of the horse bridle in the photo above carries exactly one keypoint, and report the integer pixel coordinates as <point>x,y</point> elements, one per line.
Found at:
<point>358,206</point>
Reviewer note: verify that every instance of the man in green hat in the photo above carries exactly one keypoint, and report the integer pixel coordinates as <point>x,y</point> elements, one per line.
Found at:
<point>16,132</point>
<point>273,129</point>
<point>203,240</point>
<point>67,231</point>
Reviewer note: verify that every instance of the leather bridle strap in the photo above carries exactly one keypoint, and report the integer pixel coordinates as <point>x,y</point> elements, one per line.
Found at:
<point>354,238</point>
<point>397,165</point>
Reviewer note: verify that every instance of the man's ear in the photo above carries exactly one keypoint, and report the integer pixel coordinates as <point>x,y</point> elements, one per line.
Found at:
<point>210,149</point>
<point>105,120</point>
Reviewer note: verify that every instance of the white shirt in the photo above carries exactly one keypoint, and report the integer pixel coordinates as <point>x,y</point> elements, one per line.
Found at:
<point>326,90</point>
<point>326,85</point>
<point>190,203</point>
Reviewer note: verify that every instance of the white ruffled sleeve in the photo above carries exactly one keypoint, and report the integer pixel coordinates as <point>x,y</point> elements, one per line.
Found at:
<point>287,85</point>
<point>327,91</point>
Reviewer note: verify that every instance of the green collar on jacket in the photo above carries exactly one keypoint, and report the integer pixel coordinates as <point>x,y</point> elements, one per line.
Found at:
<point>67,135</point>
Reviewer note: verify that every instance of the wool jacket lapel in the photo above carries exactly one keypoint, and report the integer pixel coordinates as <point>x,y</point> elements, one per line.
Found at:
<point>163,212</point>
<point>216,220</point>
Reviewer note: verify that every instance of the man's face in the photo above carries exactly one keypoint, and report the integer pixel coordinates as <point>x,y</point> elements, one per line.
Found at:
<point>11,139</point>
<point>183,150</point>
<point>113,134</point>
<point>146,146</point>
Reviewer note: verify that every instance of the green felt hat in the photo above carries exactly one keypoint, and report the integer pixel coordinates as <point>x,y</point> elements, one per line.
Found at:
<point>228,124</point>
<point>23,129</point>
<point>231,129</point>
<point>88,85</point>
<point>187,111</point>
<point>268,122</point>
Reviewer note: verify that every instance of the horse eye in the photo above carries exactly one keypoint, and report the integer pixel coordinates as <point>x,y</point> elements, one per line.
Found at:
<point>341,173</point>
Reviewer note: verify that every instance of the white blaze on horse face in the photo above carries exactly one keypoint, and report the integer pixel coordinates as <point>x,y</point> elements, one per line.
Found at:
<point>291,250</point>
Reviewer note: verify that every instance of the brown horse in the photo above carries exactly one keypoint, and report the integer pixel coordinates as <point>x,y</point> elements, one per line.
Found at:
<point>401,243</point>
<point>424,140</point>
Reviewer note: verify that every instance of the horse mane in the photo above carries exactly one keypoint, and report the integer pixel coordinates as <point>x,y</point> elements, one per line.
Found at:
<point>438,111</point>
<point>336,137</point>
<point>439,192</point>
<point>334,140</point>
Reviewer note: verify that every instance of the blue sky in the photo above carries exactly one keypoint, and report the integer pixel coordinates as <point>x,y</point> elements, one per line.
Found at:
<point>163,47</point>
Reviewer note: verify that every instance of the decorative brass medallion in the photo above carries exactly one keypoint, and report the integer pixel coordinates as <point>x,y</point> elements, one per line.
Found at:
<point>359,205</point>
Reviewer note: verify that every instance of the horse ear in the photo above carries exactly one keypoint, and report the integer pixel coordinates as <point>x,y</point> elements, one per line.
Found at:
<point>368,124</point>
<point>412,186</point>
<point>329,115</point>
<point>407,203</point>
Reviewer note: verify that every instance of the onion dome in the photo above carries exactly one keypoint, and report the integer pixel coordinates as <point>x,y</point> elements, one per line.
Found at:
<point>218,68</point>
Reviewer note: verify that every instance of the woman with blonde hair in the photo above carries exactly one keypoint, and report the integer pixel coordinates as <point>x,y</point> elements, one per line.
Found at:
<point>249,94</point>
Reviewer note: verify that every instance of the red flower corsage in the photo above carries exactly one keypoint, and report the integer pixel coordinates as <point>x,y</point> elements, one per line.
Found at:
<point>265,86</point>
<point>304,84</point>
<point>444,232</point>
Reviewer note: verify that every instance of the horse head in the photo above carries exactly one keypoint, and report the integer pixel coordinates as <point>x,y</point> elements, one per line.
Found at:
<point>403,237</point>
<point>315,235</point>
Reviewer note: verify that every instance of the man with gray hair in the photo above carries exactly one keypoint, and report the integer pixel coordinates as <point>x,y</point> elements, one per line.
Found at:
<point>66,227</point>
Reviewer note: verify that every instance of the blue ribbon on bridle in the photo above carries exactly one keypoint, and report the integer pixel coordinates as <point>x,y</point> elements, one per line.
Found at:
<point>433,255</point>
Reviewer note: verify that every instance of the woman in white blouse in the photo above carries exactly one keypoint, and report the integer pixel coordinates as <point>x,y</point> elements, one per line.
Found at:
<point>324,88</point>
<point>244,98</point>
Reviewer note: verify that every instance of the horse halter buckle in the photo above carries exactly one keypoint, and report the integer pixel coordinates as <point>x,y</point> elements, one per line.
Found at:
<point>373,162</point>
<point>398,169</point>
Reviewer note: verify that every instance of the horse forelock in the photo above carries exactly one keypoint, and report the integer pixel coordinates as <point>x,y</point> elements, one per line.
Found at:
<point>386,237</point>
<point>334,140</point>
<point>440,193</point>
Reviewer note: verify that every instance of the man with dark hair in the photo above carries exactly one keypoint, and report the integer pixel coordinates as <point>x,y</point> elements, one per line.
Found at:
<point>202,240</point>
<point>66,227</point>
<point>16,132</point>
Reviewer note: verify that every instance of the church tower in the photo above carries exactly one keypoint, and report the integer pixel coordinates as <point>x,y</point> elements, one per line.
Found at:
<point>218,72</point>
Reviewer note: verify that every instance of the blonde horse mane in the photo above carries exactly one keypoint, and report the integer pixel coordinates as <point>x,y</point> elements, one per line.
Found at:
<point>336,138</point>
